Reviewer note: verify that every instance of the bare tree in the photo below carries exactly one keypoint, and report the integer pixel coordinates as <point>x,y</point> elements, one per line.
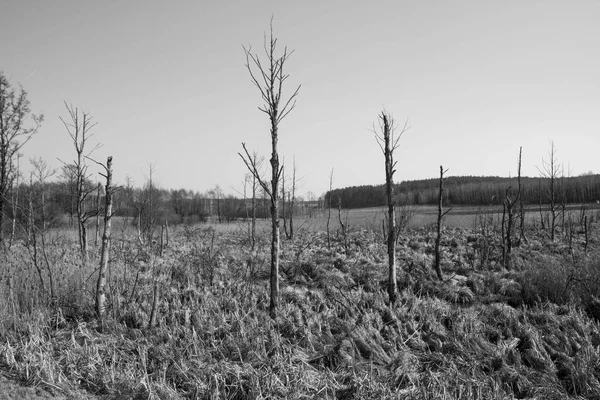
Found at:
<point>509,214</point>
<point>388,142</point>
<point>269,79</point>
<point>217,194</point>
<point>37,249</point>
<point>551,170</point>
<point>292,196</point>
<point>97,200</point>
<point>522,235</point>
<point>79,130</point>
<point>14,133</point>
<point>440,218</point>
<point>258,162</point>
<point>106,235</point>
<point>283,201</point>
<point>329,208</point>
<point>148,208</point>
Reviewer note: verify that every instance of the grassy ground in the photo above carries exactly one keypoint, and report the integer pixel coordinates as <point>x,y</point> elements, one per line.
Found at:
<point>484,333</point>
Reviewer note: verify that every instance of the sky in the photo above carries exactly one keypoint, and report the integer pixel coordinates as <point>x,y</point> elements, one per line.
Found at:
<point>166,83</point>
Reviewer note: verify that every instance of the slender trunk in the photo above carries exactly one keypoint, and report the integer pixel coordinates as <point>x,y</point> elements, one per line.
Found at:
<point>15,210</point>
<point>285,228</point>
<point>155,300</point>
<point>438,237</point>
<point>329,208</point>
<point>275,174</point>
<point>521,207</point>
<point>104,256</point>
<point>293,194</point>
<point>97,215</point>
<point>389,180</point>
<point>253,228</point>
<point>48,268</point>
<point>4,160</point>
<point>552,196</point>
<point>219,209</point>
<point>540,201</point>
<point>291,202</point>
<point>586,228</point>
<point>503,233</point>
<point>342,226</point>
<point>166,231</point>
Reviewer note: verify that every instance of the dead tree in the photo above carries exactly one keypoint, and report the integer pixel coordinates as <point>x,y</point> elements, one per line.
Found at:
<point>343,227</point>
<point>388,142</point>
<point>253,203</point>
<point>521,207</point>
<point>291,197</point>
<point>14,134</point>
<point>288,213</point>
<point>551,170</point>
<point>42,173</point>
<point>440,218</point>
<point>97,236</point>
<point>283,194</point>
<point>104,254</point>
<point>508,216</point>
<point>269,79</point>
<point>79,131</point>
<point>329,208</point>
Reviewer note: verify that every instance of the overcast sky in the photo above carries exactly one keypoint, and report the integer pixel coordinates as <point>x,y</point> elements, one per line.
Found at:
<point>166,83</point>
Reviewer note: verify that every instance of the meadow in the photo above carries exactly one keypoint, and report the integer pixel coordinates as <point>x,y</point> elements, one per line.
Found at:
<point>484,332</point>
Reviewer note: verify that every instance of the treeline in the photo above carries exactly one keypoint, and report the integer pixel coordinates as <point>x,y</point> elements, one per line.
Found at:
<point>54,204</point>
<point>470,190</point>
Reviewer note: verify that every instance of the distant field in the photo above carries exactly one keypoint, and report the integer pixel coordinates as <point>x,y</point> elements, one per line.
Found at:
<point>422,216</point>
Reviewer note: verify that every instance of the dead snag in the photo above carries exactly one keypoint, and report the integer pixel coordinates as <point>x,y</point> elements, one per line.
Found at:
<point>388,143</point>
<point>269,77</point>
<point>440,217</point>
<point>104,255</point>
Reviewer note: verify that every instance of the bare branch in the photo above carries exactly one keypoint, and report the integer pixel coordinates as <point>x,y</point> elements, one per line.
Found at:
<point>253,168</point>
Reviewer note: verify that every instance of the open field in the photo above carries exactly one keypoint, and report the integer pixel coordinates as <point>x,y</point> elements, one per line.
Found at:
<point>424,216</point>
<point>483,333</point>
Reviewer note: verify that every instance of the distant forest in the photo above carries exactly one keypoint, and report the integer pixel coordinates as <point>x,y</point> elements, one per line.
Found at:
<point>470,190</point>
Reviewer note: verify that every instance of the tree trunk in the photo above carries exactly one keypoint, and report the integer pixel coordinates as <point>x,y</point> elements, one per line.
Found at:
<point>438,237</point>
<point>104,257</point>
<point>389,180</point>
<point>274,224</point>
<point>97,237</point>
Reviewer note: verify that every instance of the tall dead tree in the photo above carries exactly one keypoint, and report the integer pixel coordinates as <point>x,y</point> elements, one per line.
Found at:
<point>79,130</point>
<point>440,217</point>
<point>551,170</point>
<point>269,78</point>
<point>14,133</point>
<point>97,200</point>
<point>283,201</point>
<point>104,254</point>
<point>522,235</point>
<point>258,162</point>
<point>291,201</point>
<point>388,142</point>
<point>329,208</point>
<point>508,214</point>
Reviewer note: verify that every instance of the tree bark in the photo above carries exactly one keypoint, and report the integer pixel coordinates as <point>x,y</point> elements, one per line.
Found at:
<point>389,181</point>
<point>104,257</point>
<point>274,222</point>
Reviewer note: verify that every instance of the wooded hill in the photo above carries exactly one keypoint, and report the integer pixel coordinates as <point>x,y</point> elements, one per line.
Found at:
<point>470,190</point>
